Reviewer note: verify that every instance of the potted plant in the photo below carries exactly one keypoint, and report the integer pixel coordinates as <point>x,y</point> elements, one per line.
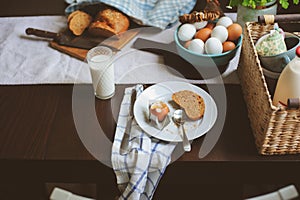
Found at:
<point>249,10</point>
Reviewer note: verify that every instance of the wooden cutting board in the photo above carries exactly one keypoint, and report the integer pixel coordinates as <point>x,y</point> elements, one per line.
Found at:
<point>74,52</point>
<point>116,42</point>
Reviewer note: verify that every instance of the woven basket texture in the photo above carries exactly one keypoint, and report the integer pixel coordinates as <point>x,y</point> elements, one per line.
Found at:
<point>276,130</point>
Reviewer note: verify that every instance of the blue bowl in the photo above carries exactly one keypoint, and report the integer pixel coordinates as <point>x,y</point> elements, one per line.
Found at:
<point>208,65</point>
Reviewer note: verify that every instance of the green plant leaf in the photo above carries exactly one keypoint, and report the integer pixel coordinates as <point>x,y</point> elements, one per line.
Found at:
<point>253,3</point>
<point>284,3</point>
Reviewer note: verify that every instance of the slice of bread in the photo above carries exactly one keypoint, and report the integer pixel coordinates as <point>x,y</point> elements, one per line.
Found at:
<point>192,103</point>
<point>78,21</point>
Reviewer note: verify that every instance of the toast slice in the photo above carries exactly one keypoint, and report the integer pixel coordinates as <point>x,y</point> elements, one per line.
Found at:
<point>78,21</point>
<point>192,103</point>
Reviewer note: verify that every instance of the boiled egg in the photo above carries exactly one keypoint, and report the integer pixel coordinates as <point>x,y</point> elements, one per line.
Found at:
<point>160,110</point>
<point>203,34</point>
<point>187,44</point>
<point>224,21</point>
<point>186,32</point>
<point>213,46</point>
<point>199,25</point>
<point>234,31</point>
<point>228,45</point>
<point>196,46</point>
<point>220,32</point>
<point>210,26</point>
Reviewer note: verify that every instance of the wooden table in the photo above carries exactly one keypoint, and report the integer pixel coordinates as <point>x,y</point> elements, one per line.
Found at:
<point>39,143</point>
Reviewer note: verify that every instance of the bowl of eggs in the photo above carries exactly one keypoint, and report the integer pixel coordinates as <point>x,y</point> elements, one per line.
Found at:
<point>209,46</point>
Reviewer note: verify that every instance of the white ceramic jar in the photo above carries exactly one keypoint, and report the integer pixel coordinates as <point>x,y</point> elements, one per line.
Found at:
<point>288,85</point>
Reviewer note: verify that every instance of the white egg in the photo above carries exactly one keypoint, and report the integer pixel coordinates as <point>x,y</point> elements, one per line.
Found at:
<point>224,21</point>
<point>213,46</point>
<point>186,32</point>
<point>220,32</point>
<point>199,25</point>
<point>196,46</point>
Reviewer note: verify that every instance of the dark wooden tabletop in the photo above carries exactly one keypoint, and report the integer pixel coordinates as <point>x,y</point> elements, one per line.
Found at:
<point>39,141</point>
<point>37,123</point>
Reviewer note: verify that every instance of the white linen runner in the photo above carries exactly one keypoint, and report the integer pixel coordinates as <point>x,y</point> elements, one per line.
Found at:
<point>30,60</point>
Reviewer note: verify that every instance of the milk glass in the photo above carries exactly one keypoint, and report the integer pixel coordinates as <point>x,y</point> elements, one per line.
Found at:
<point>102,71</point>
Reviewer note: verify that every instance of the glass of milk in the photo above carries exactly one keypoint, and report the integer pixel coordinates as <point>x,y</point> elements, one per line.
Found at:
<point>102,71</point>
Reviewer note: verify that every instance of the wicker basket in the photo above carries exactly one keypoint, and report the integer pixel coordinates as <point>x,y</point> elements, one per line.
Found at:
<point>276,129</point>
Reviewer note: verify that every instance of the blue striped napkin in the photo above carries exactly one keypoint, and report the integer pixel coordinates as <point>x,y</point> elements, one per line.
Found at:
<point>156,13</point>
<point>138,172</point>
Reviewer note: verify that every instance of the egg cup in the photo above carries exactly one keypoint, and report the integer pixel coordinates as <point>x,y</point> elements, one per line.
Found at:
<point>154,119</point>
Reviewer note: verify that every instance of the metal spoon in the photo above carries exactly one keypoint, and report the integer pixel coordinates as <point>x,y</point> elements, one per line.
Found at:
<point>178,119</point>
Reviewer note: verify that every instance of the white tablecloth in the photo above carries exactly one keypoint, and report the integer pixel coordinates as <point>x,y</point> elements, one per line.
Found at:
<point>30,60</point>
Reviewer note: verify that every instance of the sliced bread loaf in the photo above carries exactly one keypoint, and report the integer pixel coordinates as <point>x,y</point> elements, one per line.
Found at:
<point>109,22</point>
<point>192,103</point>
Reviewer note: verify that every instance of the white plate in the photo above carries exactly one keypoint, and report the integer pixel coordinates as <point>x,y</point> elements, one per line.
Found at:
<point>163,91</point>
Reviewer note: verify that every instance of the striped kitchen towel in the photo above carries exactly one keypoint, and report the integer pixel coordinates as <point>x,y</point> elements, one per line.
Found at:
<point>156,13</point>
<point>139,170</point>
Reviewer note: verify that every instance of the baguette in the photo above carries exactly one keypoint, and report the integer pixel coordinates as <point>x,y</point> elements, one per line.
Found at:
<point>78,21</point>
<point>192,103</point>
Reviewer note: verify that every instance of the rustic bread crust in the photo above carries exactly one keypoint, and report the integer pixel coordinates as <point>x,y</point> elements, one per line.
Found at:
<point>78,21</point>
<point>99,28</point>
<point>109,22</point>
<point>192,103</point>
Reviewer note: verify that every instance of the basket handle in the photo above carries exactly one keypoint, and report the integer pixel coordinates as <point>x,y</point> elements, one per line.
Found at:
<point>271,19</point>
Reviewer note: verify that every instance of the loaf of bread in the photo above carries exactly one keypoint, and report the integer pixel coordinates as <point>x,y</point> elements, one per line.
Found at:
<point>78,21</point>
<point>109,22</point>
<point>192,103</point>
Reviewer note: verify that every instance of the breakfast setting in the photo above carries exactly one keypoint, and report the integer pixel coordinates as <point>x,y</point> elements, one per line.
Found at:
<point>163,99</point>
